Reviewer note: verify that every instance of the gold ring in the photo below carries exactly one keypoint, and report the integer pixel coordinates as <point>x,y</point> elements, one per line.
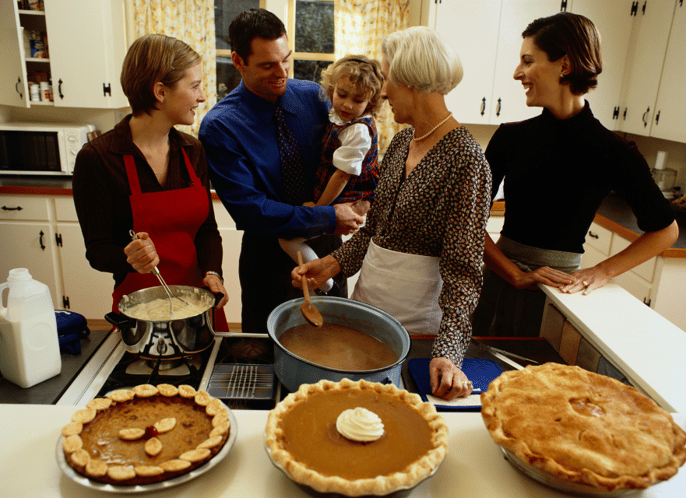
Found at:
<point>585,283</point>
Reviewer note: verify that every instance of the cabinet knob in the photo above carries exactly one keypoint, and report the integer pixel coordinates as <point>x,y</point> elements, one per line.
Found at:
<point>497,108</point>
<point>644,118</point>
<point>483,106</point>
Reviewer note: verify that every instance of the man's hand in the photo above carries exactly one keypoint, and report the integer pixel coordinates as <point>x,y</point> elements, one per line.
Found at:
<point>347,220</point>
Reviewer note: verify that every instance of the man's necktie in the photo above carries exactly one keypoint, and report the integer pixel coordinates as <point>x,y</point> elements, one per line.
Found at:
<point>296,186</point>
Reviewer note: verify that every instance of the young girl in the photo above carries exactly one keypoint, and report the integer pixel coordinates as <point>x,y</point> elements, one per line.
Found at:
<point>349,169</point>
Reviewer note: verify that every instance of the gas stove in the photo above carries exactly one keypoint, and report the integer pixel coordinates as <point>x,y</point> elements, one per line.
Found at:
<point>238,368</point>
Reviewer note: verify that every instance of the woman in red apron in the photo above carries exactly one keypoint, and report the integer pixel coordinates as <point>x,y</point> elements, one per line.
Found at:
<point>147,176</point>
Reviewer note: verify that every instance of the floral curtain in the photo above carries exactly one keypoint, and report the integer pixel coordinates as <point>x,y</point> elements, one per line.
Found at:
<point>191,21</point>
<point>360,26</point>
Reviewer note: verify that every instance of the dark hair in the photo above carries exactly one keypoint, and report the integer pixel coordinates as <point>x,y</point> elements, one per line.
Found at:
<point>154,58</point>
<point>251,24</point>
<point>576,37</point>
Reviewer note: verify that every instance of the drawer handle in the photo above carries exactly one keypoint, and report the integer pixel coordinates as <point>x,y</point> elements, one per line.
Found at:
<point>18,208</point>
<point>40,240</point>
<point>591,234</point>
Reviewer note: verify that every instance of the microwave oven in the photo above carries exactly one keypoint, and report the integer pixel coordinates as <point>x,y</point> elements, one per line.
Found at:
<point>41,148</point>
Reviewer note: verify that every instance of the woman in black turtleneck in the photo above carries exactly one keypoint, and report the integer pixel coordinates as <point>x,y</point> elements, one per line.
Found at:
<point>557,168</point>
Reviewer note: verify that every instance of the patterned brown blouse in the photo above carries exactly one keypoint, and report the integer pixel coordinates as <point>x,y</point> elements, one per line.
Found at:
<point>441,209</point>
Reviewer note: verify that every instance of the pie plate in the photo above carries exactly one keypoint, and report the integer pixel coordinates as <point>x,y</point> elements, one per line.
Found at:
<point>155,486</point>
<point>397,492</point>
<point>574,488</point>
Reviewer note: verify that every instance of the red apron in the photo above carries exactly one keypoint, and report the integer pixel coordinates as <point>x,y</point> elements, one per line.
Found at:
<point>172,219</point>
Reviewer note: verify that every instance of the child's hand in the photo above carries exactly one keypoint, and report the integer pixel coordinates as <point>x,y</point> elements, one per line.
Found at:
<point>309,204</point>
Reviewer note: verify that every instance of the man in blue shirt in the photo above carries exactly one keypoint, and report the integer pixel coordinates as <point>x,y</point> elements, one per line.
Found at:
<point>240,139</point>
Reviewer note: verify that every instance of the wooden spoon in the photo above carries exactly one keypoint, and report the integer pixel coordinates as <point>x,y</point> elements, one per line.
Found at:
<point>310,313</point>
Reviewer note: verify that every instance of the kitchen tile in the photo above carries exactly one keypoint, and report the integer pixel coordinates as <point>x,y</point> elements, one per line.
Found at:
<point>569,344</point>
<point>553,323</point>
<point>587,356</point>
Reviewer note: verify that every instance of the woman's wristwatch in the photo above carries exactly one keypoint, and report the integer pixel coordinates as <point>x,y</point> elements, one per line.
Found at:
<point>210,272</point>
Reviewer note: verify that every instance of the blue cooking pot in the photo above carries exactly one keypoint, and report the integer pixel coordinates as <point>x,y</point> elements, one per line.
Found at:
<point>293,370</point>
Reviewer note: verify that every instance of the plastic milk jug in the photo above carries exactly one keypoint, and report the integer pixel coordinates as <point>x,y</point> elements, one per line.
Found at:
<point>29,346</point>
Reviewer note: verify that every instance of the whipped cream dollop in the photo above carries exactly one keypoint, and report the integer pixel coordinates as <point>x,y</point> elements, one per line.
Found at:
<point>360,424</point>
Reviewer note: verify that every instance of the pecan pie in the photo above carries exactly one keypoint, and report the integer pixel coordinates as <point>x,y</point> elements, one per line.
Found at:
<point>583,427</point>
<point>146,434</point>
<point>305,439</point>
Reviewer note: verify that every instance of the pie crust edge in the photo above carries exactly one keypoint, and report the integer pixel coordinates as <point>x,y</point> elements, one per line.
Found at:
<point>146,474</point>
<point>584,476</point>
<point>380,485</point>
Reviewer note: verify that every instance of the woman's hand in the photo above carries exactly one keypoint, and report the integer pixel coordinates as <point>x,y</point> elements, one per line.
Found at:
<point>448,381</point>
<point>214,283</point>
<point>141,253</point>
<point>318,272</point>
<point>544,275</point>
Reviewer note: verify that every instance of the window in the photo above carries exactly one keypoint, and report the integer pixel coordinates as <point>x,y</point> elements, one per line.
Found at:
<point>313,43</point>
<point>310,34</point>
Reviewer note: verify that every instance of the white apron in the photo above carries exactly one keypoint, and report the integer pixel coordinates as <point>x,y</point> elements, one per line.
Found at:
<point>406,286</point>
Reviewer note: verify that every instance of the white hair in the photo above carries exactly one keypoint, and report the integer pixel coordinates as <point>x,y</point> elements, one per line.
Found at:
<point>419,58</point>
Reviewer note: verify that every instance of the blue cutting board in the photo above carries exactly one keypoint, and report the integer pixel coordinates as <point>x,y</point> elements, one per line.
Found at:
<point>480,372</point>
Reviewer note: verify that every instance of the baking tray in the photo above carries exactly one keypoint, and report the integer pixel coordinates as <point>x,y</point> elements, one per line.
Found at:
<point>481,372</point>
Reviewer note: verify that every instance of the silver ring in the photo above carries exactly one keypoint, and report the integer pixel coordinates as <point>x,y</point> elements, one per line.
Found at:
<point>585,283</point>
<point>467,383</point>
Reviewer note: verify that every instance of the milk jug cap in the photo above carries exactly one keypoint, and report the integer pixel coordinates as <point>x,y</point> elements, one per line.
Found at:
<point>19,275</point>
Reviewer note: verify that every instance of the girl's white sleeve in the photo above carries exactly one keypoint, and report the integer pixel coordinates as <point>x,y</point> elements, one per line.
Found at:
<point>355,143</point>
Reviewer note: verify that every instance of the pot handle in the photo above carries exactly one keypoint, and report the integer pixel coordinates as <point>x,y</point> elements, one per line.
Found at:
<point>387,381</point>
<point>119,321</point>
<point>218,296</point>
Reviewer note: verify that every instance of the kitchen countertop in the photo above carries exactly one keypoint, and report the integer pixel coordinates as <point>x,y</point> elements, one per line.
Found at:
<point>48,391</point>
<point>616,215</point>
<point>474,464</point>
<point>641,343</point>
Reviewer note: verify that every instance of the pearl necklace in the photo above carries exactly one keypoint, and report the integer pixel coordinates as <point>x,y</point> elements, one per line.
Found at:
<point>433,129</point>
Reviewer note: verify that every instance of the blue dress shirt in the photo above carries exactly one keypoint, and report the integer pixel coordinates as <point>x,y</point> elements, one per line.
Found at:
<point>239,137</point>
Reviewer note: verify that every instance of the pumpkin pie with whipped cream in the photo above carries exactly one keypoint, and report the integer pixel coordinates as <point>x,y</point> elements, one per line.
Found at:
<point>146,434</point>
<point>582,430</point>
<point>356,438</point>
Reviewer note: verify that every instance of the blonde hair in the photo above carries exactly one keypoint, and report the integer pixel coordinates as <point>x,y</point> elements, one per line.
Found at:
<point>364,73</point>
<point>154,58</point>
<point>419,58</point>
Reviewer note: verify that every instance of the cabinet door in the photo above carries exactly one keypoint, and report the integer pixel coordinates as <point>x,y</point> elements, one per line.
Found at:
<point>461,23</point>
<point>645,65</point>
<point>89,291</point>
<point>508,95</point>
<point>30,245</point>
<point>86,42</point>
<point>670,118</point>
<point>614,21</point>
<point>231,243</point>
<point>13,86</point>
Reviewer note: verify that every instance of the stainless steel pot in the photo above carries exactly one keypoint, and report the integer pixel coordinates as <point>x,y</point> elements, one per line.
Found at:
<point>293,371</point>
<point>166,339</point>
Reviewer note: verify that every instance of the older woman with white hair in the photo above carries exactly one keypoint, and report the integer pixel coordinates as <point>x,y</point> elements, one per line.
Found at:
<point>420,252</point>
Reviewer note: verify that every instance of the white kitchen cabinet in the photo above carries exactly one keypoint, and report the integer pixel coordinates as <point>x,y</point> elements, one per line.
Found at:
<point>614,21</point>
<point>86,290</point>
<point>669,122</point>
<point>494,226</point>
<point>27,240</point>
<point>86,48</point>
<point>42,233</point>
<point>13,87</point>
<point>487,37</point>
<point>231,244</point>
<point>657,282</point>
<point>644,67</point>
